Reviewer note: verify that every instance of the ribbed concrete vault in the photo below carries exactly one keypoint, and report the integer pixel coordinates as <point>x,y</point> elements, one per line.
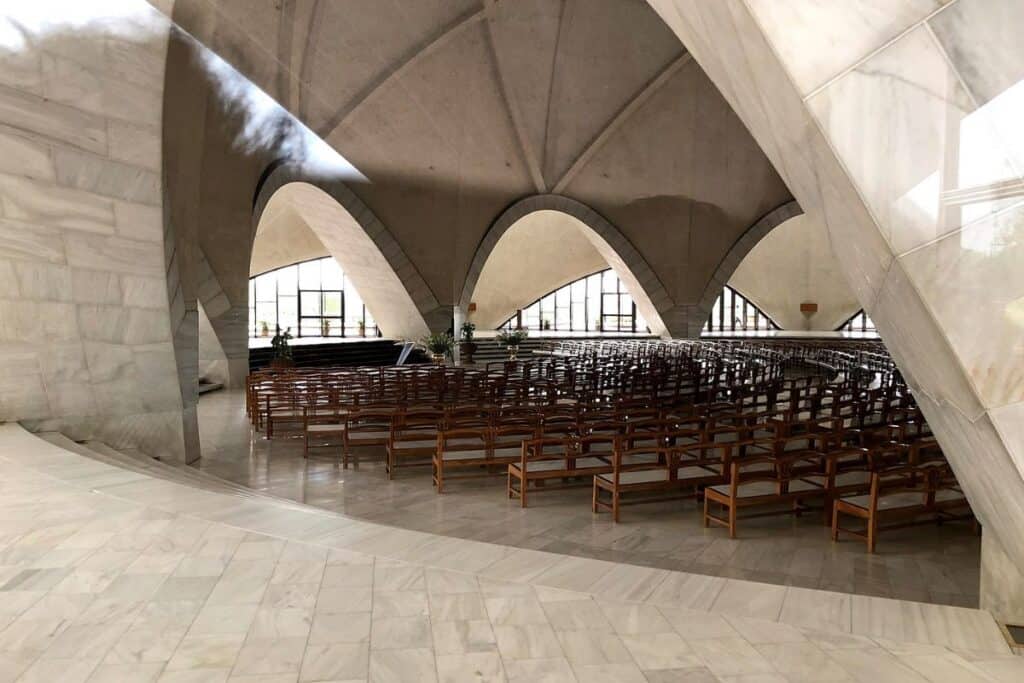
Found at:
<point>454,111</point>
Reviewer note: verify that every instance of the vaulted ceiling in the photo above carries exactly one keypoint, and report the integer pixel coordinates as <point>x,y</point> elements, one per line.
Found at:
<point>454,109</point>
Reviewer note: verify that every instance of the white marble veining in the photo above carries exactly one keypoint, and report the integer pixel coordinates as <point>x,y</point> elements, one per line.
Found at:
<point>898,124</point>
<point>217,592</point>
<point>839,34</point>
<point>84,303</point>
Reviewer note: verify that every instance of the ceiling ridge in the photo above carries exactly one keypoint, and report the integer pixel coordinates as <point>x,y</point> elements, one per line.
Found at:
<point>620,117</point>
<point>409,59</point>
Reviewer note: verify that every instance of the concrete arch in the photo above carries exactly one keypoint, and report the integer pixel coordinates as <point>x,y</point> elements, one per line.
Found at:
<point>739,250</point>
<point>401,302</point>
<point>650,295</point>
<point>383,270</point>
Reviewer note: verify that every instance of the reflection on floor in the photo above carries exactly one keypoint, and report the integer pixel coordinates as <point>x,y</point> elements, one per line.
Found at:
<point>108,574</point>
<point>927,563</point>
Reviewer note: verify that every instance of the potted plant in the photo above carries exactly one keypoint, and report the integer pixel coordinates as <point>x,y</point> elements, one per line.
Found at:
<point>512,339</point>
<point>546,325</point>
<point>467,347</point>
<point>325,327</point>
<point>264,329</point>
<point>362,328</point>
<point>440,346</point>
<point>282,357</point>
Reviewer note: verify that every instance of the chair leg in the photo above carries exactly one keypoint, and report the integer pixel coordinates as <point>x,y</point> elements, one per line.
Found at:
<point>732,520</point>
<point>706,504</point>
<point>835,525</point>
<point>593,503</point>
<point>615,505</point>
<point>872,534</point>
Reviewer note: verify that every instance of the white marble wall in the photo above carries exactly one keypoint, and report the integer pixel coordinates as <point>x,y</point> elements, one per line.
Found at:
<point>85,330</point>
<point>897,122</point>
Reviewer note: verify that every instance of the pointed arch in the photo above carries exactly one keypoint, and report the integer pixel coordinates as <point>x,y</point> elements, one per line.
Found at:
<point>399,298</point>
<point>650,295</point>
<point>739,251</point>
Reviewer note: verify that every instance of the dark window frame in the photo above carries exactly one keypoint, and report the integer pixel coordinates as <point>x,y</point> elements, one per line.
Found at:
<point>624,322</point>
<point>338,322</point>
<point>737,302</point>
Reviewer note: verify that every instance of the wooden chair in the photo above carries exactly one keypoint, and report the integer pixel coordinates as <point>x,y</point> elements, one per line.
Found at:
<point>897,495</point>
<point>766,480</point>
<point>460,448</point>
<point>413,438</point>
<point>363,428</point>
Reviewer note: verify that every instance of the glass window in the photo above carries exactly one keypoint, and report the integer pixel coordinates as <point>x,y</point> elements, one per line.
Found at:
<point>859,322</point>
<point>332,304</point>
<point>733,312</point>
<point>313,298</point>
<point>598,301</point>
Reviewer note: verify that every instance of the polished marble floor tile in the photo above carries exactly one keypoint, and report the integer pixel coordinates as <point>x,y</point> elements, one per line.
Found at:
<point>929,564</point>
<point>196,610</point>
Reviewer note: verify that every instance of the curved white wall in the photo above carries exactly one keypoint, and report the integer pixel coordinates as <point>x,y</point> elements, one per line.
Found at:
<point>283,238</point>
<point>792,265</point>
<point>541,252</point>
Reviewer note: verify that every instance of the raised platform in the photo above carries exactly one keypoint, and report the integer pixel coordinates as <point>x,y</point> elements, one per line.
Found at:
<point>115,574</point>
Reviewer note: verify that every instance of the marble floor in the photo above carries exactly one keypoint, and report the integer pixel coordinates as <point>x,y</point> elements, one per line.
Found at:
<point>926,563</point>
<point>112,575</point>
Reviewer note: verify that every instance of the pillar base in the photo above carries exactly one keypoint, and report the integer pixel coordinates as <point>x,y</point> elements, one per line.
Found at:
<point>1002,583</point>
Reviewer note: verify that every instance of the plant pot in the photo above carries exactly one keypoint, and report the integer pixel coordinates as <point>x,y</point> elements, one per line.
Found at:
<point>513,351</point>
<point>466,350</point>
<point>437,358</point>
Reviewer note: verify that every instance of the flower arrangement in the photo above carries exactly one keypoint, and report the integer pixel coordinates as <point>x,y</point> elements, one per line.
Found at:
<point>512,337</point>
<point>440,345</point>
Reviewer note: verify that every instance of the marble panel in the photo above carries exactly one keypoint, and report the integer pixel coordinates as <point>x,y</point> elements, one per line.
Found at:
<point>24,155</point>
<point>40,203</point>
<point>37,322</point>
<point>20,240</point>
<point>101,176</point>
<point>52,120</point>
<point>95,89</point>
<point>919,346</point>
<point>144,292</point>
<point>23,397</point>
<point>114,254</point>
<point>981,39</point>
<point>43,281</point>
<point>973,280</point>
<point>63,363</point>
<point>833,36</point>
<point>913,142</point>
<point>21,69</point>
<point>123,325</point>
<point>138,57</point>
<point>135,144</point>
<point>95,287</point>
<point>139,221</point>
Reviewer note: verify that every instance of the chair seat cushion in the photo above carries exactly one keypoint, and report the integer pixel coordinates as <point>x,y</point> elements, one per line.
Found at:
<point>637,477</point>
<point>415,445</point>
<point>768,488</point>
<point>893,501</point>
<point>557,465</point>
<point>356,436</point>
<point>338,428</point>
<point>853,478</point>
<point>477,454</point>
<point>695,472</point>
